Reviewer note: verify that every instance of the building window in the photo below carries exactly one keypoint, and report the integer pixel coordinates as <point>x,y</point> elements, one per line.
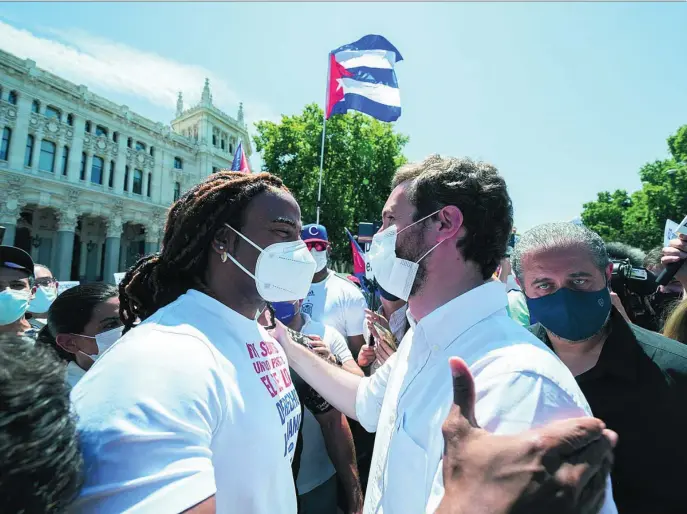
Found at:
<point>82,174</point>
<point>138,182</point>
<point>88,127</point>
<point>5,148</point>
<point>150,180</point>
<point>140,146</point>
<point>129,142</point>
<point>177,191</point>
<point>231,148</point>
<point>28,155</point>
<point>46,162</point>
<point>53,112</point>
<point>178,163</point>
<point>97,170</point>
<point>110,181</point>
<point>222,144</point>
<point>35,107</point>
<point>152,151</point>
<point>12,97</point>
<point>100,131</point>
<point>70,120</point>
<point>126,177</point>
<point>65,160</point>
<point>115,137</point>
<point>214,140</point>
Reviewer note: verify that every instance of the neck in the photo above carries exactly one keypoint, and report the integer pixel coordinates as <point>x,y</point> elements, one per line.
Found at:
<point>17,327</point>
<point>441,288</point>
<point>297,323</point>
<point>238,301</point>
<point>83,361</point>
<point>579,356</point>
<point>320,275</point>
<point>389,307</point>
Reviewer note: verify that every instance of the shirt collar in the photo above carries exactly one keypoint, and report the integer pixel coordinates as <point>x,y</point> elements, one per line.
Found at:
<point>237,321</point>
<point>445,324</point>
<point>619,355</point>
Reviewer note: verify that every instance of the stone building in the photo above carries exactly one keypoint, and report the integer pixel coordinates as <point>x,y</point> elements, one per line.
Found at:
<point>85,183</point>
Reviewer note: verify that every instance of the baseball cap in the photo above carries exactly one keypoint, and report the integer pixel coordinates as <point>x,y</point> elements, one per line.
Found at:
<point>314,232</point>
<point>15,258</point>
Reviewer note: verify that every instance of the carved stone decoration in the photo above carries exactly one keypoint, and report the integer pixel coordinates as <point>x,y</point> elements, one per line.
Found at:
<point>113,227</point>
<point>11,200</point>
<point>67,216</point>
<point>101,144</point>
<point>69,133</point>
<point>11,112</point>
<point>117,209</point>
<point>52,127</point>
<point>87,143</point>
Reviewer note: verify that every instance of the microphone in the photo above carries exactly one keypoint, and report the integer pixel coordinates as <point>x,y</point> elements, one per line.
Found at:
<point>669,272</point>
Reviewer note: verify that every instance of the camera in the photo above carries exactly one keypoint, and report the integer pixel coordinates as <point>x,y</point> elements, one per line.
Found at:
<point>635,287</point>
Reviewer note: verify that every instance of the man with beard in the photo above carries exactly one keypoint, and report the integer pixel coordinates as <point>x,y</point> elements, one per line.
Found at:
<point>445,229</point>
<point>634,379</point>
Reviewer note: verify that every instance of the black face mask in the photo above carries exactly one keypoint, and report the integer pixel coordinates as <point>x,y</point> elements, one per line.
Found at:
<point>386,295</point>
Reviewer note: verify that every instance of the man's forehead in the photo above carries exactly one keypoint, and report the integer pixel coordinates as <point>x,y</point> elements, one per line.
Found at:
<point>398,199</point>
<point>42,272</point>
<point>558,260</point>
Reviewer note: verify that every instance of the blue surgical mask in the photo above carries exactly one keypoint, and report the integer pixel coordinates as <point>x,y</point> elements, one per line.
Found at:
<point>284,311</point>
<point>572,315</point>
<point>45,295</point>
<point>13,305</point>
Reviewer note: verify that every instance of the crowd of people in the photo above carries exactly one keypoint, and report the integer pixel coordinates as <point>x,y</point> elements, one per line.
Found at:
<point>235,371</point>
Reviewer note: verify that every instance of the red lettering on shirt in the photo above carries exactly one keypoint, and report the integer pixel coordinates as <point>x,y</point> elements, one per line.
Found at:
<point>276,379</point>
<point>286,377</point>
<point>269,386</point>
<point>252,352</point>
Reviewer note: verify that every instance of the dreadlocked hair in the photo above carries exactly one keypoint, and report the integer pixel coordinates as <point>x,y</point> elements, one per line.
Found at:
<point>159,279</point>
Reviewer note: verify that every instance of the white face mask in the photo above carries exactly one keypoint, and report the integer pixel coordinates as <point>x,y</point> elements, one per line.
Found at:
<point>13,304</point>
<point>283,271</point>
<point>105,340</point>
<point>394,275</point>
<point>320,259</point>
<point>43,299</point>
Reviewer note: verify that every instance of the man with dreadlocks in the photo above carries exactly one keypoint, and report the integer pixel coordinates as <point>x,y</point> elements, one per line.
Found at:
<point>194,410</point>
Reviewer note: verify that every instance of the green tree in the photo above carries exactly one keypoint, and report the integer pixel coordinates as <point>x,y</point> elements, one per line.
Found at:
<point>361,156</point>
<point>638,219</point>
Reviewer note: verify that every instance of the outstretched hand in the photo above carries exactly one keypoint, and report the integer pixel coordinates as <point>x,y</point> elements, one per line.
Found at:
<point>561,467</point>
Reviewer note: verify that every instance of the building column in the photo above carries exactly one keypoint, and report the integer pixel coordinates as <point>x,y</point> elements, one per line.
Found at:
<point>34,250</point>
<point>99,260</point>
<point>83,260</point>
<point>123,250</point>
<point>20,131</point>
<point>36,152</point>
<point>10,233</point>
<point>112,251</point>
<point>92,264</point>
<point>75,150</point>
<point>66,227</point>
<point>130,184</point>
<point>89,167</point>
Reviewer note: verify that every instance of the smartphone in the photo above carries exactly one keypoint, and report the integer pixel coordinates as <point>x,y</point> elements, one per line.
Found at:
<point>386,335</point>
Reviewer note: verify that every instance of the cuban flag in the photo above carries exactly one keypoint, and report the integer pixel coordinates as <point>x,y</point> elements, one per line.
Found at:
<point>359,261</point>
<point>362,78</point>
<point>240,162</point>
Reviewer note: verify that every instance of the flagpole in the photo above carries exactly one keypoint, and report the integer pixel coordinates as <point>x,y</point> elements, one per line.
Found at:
<point>324,131</point>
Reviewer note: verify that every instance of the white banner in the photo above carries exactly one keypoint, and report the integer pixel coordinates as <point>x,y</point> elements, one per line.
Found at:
<point>63,286</point>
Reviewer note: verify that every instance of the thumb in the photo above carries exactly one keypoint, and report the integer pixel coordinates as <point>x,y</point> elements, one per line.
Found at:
<point>463,389</point>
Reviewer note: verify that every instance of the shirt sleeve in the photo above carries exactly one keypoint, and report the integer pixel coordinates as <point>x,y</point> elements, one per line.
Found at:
<point>337,345</point>
<point>533,401</point>
<point>355,313</point>
<point>147,414</point>
<point>370,395</point>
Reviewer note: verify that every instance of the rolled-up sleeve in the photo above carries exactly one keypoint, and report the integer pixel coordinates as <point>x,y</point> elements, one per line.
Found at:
<point>370,396</point>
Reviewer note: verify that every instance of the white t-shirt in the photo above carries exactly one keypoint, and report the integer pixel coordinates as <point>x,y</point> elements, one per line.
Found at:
<point>337,303</point>
<point>316,467</point>
<point>197,400</point>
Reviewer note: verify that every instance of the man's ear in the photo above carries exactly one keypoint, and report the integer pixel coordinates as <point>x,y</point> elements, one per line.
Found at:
<point>609,273</point>
<point>451,219</point>
<point>67,343</point>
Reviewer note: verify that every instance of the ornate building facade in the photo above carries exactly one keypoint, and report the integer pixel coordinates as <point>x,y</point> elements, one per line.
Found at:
<point>85,183</point>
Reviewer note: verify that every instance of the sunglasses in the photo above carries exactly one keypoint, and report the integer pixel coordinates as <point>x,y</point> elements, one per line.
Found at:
<point>318,246</point>
<point>45,282</point>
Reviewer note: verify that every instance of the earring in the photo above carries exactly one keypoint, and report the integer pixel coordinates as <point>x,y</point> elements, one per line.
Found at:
<point>221,248</point>
<point>223,256</point>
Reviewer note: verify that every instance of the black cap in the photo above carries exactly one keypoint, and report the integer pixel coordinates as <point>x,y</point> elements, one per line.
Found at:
<point>15,258</point>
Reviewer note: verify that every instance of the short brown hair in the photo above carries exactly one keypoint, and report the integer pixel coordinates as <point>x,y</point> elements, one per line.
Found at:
<point>477,190</point>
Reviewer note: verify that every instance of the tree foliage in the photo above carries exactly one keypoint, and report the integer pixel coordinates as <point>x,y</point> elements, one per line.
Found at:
<point>639,219</point>
<point>361,156</point>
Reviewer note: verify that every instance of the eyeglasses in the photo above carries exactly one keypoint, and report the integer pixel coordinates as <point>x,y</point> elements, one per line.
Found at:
<point>318,246</point>
<point>45,282</point>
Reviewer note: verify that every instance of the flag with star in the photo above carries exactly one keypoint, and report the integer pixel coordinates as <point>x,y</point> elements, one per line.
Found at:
<point>362,78</point>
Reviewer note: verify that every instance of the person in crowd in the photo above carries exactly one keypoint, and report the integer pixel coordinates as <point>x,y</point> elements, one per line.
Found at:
<point>328,452</point>
<point>16,291</point>
<point>41,469</point>
<point>333,300</point>
<point>517,306</point>
<point>666,297</point>
<point>676,324</point>
<point>576,465</point>
<point>621,368</point>
<point>391,315</point>
<point>46,292</point>
<point>674,252</point>
<point>441,243</point>
<point>83,322</point>
<point>194,410</point>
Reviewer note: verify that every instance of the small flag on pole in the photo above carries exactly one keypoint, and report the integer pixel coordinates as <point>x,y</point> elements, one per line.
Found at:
<point>362,78</point>
<point>359,261</point>
<point>240,161</point>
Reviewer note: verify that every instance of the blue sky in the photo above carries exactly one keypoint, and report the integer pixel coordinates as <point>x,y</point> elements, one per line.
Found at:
<point>565,99</point>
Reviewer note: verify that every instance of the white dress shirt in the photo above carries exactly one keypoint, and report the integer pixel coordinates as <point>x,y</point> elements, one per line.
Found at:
<point>519,383</point>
